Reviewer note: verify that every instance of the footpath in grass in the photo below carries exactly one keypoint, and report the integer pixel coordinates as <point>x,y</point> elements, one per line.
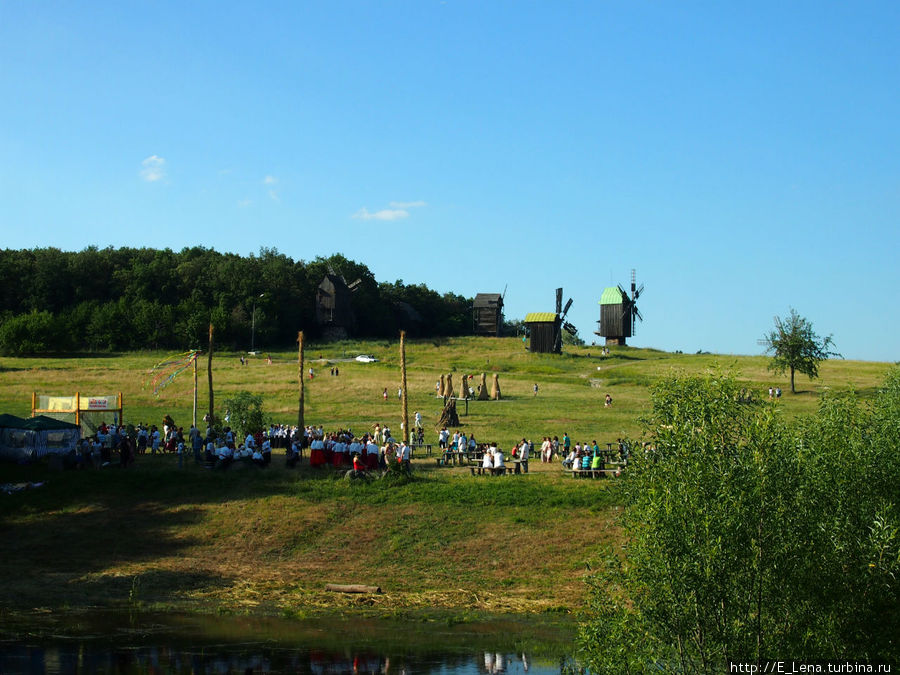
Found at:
<point>267,541</point>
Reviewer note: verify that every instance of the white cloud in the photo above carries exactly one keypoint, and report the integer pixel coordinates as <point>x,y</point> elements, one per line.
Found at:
<point>273,196</point>
<point>384,214</point>
<point>154,169</point>
<point>407,205</point>
<point>270,180</point>
<point>396,211</point>
<point>244,203</point>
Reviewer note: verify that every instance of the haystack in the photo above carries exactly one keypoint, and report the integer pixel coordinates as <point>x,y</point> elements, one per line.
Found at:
<point>449,418</point>
<point>482,390</point>
<point>495,388</point>
<point>448,389</point>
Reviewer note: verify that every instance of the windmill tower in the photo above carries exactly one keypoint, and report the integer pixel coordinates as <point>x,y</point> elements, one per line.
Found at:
<point>546,327</point>
<point>487,313</point>
<point>619,312</point>
<point>334,308</point>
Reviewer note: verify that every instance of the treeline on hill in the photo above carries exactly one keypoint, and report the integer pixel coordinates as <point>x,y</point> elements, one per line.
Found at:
<point>127,298</point>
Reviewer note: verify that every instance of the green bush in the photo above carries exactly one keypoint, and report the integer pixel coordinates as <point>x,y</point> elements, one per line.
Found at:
<point>748,539</point>
<point>27,334</point>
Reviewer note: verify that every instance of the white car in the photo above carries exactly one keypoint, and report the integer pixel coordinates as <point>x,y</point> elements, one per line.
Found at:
<point>365,358</point>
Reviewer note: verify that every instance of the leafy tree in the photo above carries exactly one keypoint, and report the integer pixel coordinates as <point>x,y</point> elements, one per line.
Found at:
<point>245,413</point>
<point>32,333</point>
<point>796,347</point>
<point>747,538</point>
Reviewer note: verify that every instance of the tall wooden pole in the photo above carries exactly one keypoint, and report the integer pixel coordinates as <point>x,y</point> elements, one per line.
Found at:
<point>405,406</point>
<point>196,356</point>
<point>300,425</point>
<point>209,375</point>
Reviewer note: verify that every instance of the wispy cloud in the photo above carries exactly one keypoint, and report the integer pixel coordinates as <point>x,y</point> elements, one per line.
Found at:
<point>154,169</point>
<point>407,205</point>
<point>383,214</point>
<point>244,203</point>
<point>270,180</point>
<point>273,195</point>
<point>397,211</point>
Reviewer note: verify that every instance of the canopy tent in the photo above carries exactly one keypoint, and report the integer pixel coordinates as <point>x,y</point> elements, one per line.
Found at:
<point>23,440</point>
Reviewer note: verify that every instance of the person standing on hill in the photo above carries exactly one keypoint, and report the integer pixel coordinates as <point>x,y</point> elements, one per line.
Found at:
<point>535,389</point>
<point>523,455</point>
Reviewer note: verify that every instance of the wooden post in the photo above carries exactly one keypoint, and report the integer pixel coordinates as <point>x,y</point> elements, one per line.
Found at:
<point>300,425</point>
<point>78,408</point>
<point>34,403</point>
<point>209,375</point>
<point>121,410</point>
<point>195,389</point>
<point>405,407</point>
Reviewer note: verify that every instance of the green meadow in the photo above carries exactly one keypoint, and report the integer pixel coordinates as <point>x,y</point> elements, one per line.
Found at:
<point>267,541</point>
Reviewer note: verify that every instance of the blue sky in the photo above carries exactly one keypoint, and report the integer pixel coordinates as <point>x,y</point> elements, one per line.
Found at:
<point>744,158</point>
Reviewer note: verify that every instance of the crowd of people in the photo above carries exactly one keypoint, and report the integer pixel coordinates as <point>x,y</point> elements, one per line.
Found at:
<point>369,451</point>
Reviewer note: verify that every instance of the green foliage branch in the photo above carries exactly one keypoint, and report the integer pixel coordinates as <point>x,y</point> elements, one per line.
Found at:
<point>751,539</point>
<point>245,413</point>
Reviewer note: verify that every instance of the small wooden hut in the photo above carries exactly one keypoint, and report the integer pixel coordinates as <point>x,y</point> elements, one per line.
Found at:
<point>487,314</point>
<point>544,328</point>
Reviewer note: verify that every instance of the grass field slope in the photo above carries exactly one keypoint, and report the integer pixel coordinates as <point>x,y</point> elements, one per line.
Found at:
<point>267,541</point>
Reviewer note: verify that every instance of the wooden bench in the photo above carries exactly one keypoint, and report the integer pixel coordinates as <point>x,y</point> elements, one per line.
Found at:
<point>591,473</point>
<point>491,471</point>
<point>414,446</point>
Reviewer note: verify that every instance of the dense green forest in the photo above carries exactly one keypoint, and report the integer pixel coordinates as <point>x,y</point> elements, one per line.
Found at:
<point>126,298</point>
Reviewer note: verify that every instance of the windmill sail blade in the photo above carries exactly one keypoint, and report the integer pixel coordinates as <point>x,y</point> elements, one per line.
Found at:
<point>566,308</point>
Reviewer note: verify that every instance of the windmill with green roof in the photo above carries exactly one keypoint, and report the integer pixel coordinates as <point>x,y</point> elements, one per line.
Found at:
<point>619,313</point>
<point>545,327</point>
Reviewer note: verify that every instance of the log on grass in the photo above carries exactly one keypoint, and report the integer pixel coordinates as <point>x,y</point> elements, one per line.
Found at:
<point>352,588</point>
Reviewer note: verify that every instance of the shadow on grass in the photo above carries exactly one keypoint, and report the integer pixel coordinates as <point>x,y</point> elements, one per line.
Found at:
<point>66,554</point>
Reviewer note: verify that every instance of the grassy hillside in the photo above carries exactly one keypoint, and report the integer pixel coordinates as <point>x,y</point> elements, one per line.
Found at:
<point>571,386</point>
<point>268,541</point>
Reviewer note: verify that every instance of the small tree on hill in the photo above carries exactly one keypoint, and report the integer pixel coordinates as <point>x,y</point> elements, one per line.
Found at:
<point>796,347</point>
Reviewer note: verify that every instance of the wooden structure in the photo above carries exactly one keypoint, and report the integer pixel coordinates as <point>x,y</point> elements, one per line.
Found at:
<point>543,327</point>
<point>334,309</point>
<point>487,314</point>
<point>546,327</point>
<point>618,313</point>
<point>84,412</point>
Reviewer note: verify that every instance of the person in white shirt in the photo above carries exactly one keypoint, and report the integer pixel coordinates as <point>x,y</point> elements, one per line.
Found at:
<point>418,420</point>
<point>339,449</point>
<point>523,455</point>
<point>487,462</point>
<point>498,459</point>
<point>403,455</point>
<point>372,452</point>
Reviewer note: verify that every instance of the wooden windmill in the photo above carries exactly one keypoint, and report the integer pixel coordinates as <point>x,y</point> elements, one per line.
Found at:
<point>546,327</point>
<point>619,312</point>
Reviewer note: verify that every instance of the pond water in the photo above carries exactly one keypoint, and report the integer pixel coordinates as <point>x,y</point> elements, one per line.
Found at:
<point>117,643</point>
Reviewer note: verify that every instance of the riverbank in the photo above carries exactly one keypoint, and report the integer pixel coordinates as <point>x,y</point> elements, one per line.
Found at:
<point>266,542</point>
